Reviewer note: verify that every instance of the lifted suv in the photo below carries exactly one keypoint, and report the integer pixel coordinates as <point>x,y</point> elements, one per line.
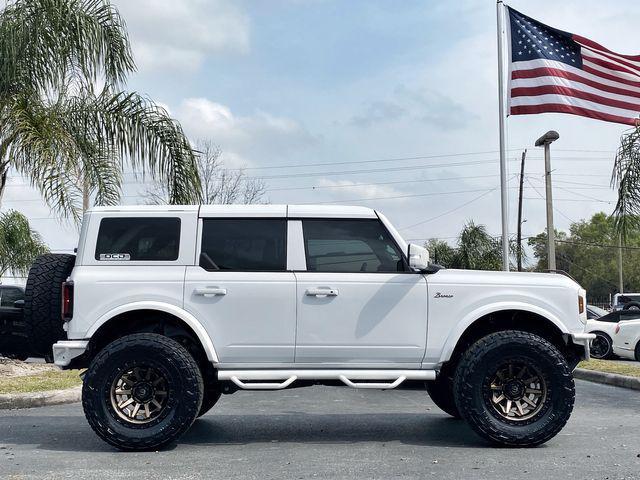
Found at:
<point>170,307</point>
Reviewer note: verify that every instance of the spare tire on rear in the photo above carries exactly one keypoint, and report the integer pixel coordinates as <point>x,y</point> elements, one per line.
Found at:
<point>43,302</point>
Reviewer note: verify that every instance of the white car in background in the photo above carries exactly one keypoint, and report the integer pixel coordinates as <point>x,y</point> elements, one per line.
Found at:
<point>604,328</point>
<point>626,340</point>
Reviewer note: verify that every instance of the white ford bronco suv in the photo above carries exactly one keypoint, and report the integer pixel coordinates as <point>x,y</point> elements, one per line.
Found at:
<point>170,307</point>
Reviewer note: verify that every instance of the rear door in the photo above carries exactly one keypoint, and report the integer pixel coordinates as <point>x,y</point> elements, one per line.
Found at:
<point>358,303</point>
<point>241,289</point>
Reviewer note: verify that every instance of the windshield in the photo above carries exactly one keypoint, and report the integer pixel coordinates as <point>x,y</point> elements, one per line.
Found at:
<point>597,311</point>
<point>626,298</point>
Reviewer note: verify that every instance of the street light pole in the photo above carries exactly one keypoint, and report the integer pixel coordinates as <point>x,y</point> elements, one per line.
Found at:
<point>545,141</point>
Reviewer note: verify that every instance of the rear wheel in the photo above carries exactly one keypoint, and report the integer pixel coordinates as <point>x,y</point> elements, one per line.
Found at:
<point>601,346</point>
<point>514,388</point>
<point>142,392</point>
<point>637,352</point>
<point>441,392</point>
<point>43,302</point>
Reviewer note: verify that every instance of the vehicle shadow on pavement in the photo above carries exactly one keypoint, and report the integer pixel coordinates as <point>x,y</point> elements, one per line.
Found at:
<point>71,433</point>
<point>406,428</point>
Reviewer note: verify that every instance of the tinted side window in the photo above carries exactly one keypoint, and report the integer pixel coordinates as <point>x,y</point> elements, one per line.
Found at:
<point>10,295</point>
<point>151,238</point>
<point>245,244</point>
<point>350,246</point>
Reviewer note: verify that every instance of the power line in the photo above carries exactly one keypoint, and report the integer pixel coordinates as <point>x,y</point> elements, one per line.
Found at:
<point>542,197</point>
<point>396,182</point>
<point>452,210</point>
<point>602,245</point>
<point>431,194</point>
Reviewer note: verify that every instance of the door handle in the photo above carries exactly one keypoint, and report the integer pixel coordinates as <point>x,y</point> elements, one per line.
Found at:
<point>318,292</point>
<point>210,291</point>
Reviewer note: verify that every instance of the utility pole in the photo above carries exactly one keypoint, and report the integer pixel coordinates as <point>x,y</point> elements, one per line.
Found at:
<point>545,141</point>
<point>620,282</point>
<point>524,154</point>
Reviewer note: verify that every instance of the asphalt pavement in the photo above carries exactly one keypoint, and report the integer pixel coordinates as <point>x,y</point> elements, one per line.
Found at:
<point>324,432</point>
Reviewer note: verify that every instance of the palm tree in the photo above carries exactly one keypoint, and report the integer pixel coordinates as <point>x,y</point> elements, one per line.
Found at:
<point>475,249</point>
<point>626,178</point>
<point>66,123</point>
<point>19,244</point>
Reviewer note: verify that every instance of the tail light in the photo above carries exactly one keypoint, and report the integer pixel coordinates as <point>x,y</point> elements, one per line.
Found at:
<point>580,304</point>
<point>67,301</point>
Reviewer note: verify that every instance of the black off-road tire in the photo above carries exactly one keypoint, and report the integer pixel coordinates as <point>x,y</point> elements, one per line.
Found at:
<point>43,302</point>
<point>602,337</point>
<point>184,390</point>
<point>212,393</point>
<point>472,389</point>
<point>441,393</point>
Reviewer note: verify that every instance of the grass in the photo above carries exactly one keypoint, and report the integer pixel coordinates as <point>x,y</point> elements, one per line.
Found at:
<point>41,382</point>
<point>621,368</point>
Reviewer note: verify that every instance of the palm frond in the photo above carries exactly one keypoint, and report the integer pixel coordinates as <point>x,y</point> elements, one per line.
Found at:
<point>19,244</point>
<point>626,178</point>
<point>143,133</point>
<point>38,144</point>
<point>43,43</point>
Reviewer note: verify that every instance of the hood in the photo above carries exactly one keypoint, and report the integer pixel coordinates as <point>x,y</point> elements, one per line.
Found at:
<point>492,277</point>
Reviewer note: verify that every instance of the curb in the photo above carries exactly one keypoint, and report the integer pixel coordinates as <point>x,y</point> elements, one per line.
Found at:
<point>40,399</point>
<point>607,378</point>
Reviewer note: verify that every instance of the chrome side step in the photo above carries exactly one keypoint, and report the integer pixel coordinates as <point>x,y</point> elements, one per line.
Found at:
<point>280,379</point>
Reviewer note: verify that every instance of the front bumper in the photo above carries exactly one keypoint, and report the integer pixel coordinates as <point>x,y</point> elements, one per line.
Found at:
<point>584,340</point>
<point>65,351</point>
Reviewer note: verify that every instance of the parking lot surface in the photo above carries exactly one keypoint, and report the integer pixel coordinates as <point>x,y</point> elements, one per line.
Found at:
<point>323,432</point>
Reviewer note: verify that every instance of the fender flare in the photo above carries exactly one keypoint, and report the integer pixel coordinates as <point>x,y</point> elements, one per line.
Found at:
<point>475,315</point>
<point>174,310</point>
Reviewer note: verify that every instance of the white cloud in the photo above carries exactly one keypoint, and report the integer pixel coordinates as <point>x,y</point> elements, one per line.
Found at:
<point>178,35</point>
<point>348,189</point>
<point>245,140</point>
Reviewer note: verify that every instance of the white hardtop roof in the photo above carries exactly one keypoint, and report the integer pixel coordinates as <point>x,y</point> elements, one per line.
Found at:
<point>291,211</point>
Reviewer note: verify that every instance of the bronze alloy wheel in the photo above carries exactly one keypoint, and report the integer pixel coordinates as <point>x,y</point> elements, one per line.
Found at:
<point>517,391</point>
<point>139,395</point>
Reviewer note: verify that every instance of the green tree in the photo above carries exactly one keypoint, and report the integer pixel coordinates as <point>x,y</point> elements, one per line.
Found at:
<point>588,252</point>
<point>66,123</point>
<point>19,244</point>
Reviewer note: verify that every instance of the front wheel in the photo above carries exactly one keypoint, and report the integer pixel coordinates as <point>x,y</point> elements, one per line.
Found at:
<point>514,388</point>
<point>142,392</point>
<point>601,346</point>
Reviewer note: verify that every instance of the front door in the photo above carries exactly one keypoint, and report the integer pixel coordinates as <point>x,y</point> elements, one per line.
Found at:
<point>358,303</point>
<point>242,292</point>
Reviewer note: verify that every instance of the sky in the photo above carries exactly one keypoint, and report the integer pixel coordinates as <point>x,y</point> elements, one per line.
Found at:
<point>391,105</point>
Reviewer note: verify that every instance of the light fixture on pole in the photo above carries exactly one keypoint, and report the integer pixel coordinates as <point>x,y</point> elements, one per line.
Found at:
<point>545,141</point>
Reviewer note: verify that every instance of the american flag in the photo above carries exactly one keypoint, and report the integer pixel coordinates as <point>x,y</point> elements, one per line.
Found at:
<point>555,71</point>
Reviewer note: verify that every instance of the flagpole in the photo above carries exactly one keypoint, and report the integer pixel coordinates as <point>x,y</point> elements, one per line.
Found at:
<point>503,154</point>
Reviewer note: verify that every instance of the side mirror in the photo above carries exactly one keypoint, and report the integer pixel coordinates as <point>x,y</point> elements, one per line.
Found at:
<point>418,257</point>
<point>18,304</point>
